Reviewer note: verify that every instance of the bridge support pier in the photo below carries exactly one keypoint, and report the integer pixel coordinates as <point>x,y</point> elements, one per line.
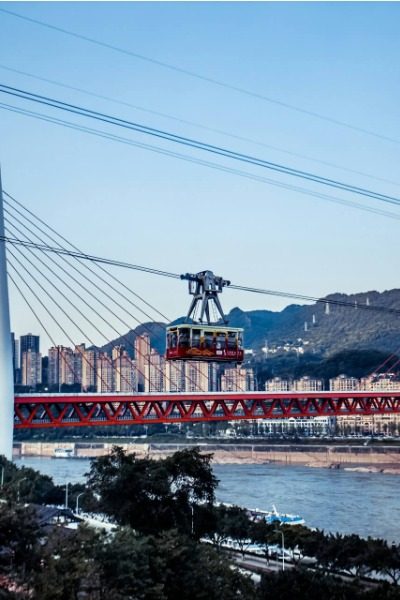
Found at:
<point>6,353</point>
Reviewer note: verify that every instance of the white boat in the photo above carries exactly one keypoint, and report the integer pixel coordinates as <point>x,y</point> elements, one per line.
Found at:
<point>63,453</point>
<point>274,516</point>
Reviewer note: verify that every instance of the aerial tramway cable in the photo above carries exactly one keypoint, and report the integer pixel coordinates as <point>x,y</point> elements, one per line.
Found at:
<point>112,299</point>
<point>150,270</point>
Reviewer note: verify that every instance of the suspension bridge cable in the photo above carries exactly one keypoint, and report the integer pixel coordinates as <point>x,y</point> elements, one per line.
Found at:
<point>205,78</point>
<point>201,162</point>
<point>107,307</point>
<point>87,267</point>
<point>390,357</point>
<point>80,284</point>
<point>78,327</point>
<point>17,272</point>
<point>124,337</point>
<point>42,325</point>
<point>233,286</point>
<point>90,258</point>
<point>199,125</point>
<point>113,345</point>
<point>195,144</point>
<point>111,298</point>
<point>78,271</point>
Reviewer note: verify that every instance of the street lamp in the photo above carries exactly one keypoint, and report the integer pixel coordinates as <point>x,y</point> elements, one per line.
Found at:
<point>18,490</point>
<point>283,547</point>
<point>77,502</point>
<point>2,477</point>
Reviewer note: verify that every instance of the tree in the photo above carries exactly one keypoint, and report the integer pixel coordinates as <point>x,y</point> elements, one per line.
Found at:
<point>28,485</point>
<point>304,585</point>
<point>67,565</point>
<point>150,495</point>
<point>236,524</point>
<point>19,534</point>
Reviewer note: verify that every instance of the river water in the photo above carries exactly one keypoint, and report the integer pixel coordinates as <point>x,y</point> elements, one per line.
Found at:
<point>333,500</point>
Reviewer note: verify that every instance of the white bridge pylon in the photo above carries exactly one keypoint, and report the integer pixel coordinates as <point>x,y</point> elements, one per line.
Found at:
<point>6,364</point>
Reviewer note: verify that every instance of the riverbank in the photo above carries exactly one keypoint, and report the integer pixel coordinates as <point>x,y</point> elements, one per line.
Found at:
<point>364,458</point>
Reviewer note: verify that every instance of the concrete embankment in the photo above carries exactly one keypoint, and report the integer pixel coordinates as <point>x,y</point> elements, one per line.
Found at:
<point>373,458</point>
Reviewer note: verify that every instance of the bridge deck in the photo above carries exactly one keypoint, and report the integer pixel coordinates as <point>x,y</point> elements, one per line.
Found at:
<point>79,410</point>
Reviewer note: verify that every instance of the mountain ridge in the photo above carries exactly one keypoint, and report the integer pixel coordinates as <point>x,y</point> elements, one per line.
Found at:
<point>325,331</point>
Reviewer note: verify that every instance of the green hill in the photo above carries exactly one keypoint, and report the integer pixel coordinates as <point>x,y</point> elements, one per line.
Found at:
<point>326,332</point>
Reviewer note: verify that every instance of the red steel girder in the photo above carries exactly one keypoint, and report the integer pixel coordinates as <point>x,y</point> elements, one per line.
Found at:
<point>81,410</point>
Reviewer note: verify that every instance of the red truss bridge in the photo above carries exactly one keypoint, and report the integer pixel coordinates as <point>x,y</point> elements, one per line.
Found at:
<point>82,410</point>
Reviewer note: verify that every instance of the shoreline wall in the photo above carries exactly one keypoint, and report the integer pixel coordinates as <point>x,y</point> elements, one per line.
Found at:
<point>315,456</point>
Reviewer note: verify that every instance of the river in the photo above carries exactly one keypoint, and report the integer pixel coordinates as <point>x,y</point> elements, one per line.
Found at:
<point>333,500</point>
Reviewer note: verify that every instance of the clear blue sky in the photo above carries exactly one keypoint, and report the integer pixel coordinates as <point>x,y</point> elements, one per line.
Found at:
<point>338,59</point>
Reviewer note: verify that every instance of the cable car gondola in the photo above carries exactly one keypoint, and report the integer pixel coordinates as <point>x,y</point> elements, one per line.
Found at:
<point>196,340</point>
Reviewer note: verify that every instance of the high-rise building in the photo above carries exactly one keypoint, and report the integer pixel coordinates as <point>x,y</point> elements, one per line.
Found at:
<point>29,342</point>
<point>237,379</point>
<point>142,352</point>
<point>277,384</point>
<point>104,373</point>
<point>196,376</point>
<point>380,382</point>
<point>124,371</point>
<point>308,384</point>
<point>78,359</point>
<point>174,376</point>
<point>213,377</point>
<point>154,372</point>
<point>61,366</point>
<point>31,368</point>
<point>16,358</point>
<point>89,370</point>
<point>342,383</point>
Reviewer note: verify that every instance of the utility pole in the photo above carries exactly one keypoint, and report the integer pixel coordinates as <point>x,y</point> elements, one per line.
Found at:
<point>6,356</point>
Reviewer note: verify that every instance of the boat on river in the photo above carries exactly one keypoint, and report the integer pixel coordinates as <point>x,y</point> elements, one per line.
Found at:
<point>63,453</point>
<point>273,516</point>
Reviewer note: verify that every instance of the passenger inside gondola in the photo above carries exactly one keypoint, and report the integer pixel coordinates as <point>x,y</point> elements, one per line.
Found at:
<point>208,340</point>
<point>195,338</point>
<point>232,340</point>
<point>184,338</point>
<point>221,339</point>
